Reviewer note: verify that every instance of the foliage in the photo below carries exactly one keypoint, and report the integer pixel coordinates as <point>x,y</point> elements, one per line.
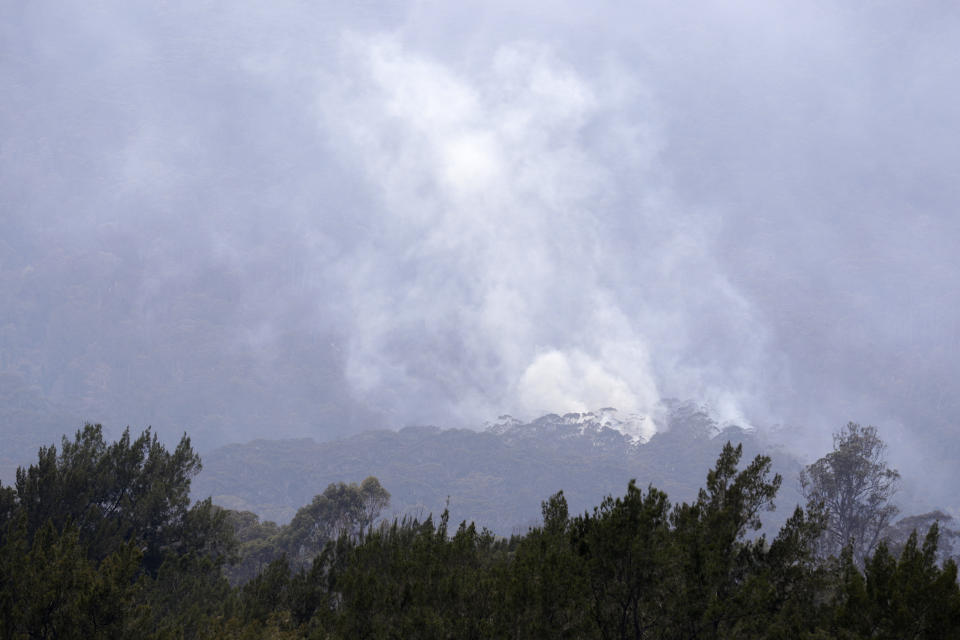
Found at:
<point>622,546</point>
<point>634,566</point>
<point>52,590</point>
<point>113,493</point>
<point>547,580</point>
<point>898,534</point>
<point>498,479</point>
<point>854,487</point>
<point>342,509</point>
<point>911,597</point>
<point>99,540</point>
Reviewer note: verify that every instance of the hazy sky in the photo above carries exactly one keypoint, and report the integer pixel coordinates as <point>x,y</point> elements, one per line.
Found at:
<point>308,218</point>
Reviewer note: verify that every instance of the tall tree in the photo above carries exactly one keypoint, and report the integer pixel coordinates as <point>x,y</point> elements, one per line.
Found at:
<point>717,551</point>
<point>623,549</point>
<point>854,486</point>
<point>547,588</point>
<point>341,509</point>
<point>131,489</point>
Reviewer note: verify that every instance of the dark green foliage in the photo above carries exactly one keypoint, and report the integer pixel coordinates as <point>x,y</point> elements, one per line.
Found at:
<point>719,564</point>
<point>257,545</point>
<point>410,579</point>
<point>546,588</point>
<point>50,589</point>
<point>113,493</point>
<point>911,597</point>
<point>787,585</point>
<point>267,593</point>
<point>100,540</point>
<point>82,556</point>
<point>623,547</point>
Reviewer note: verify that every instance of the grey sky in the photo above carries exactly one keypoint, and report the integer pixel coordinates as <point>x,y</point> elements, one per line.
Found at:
<point>294,218</point>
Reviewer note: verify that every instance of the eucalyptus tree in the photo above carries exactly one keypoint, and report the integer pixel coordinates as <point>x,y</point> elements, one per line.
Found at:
<point>854,487</point>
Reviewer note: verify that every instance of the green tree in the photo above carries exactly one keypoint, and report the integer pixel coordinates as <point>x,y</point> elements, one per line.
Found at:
<point>113,493</point>
<point>625,545</point>
<point>854,487</point>
<point>341,509</point>
<point>99,540</point>
<point>50,589</point>
<point>714,585</point>
<point>546,591</point>
<point>257,545</point>
<point>787,587</point>
<point>909,597</point>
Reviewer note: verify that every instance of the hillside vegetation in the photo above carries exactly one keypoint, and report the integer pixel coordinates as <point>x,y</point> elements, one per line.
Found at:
<point>99,540</point>
<point>496,477</point>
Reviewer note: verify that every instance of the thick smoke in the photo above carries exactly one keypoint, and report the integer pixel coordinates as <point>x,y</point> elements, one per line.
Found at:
<point>307,219</point>
<point>491,280</point>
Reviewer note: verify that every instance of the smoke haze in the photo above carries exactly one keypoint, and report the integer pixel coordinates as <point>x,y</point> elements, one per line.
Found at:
<point>292,218</point>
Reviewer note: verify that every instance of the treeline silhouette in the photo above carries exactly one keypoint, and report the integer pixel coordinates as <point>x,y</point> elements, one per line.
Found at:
<point>99,540</point>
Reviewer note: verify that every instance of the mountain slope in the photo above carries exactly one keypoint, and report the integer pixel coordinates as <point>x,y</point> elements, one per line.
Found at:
<point>496,477</point>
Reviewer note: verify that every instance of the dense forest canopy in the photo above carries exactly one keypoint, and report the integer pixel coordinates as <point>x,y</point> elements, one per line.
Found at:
<point>497,476</point>
<point>98,540</point>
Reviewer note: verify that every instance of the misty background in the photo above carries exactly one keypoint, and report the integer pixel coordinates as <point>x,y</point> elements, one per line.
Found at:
<point>294,219</point>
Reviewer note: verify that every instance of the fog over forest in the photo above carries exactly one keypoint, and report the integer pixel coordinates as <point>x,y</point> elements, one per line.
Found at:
<point>288,219</point>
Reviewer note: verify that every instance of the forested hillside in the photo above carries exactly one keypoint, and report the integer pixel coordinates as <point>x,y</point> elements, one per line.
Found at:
<point>496,477</point>
<point>99,540</point>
